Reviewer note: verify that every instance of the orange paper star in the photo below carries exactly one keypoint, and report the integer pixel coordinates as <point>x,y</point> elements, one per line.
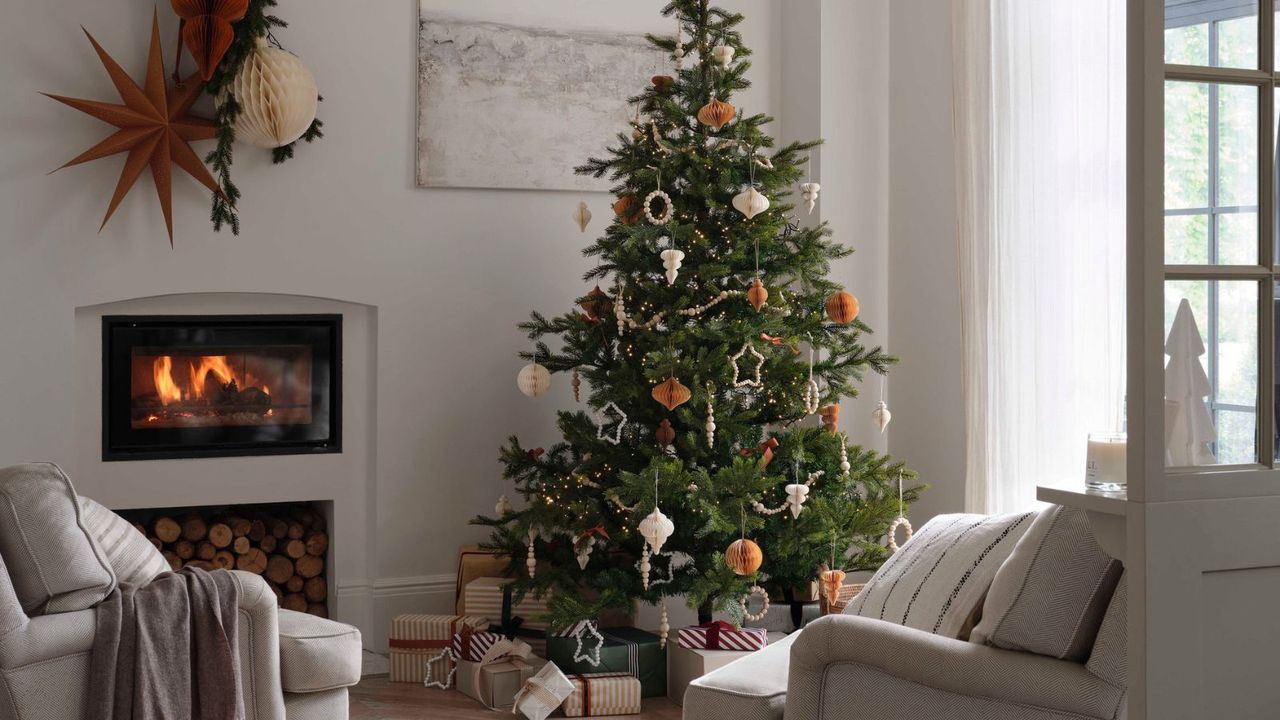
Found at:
<point>154,128</point>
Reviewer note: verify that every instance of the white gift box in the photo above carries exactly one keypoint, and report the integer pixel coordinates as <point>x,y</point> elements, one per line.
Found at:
<point>684,665</point>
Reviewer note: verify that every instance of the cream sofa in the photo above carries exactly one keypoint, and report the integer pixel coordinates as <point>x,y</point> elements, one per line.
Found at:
<point>847,667</point>
<point>60,555</point>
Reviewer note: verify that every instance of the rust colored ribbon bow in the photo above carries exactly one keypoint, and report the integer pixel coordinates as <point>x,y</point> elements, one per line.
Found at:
<point>770,339</point>
<point>535,453</point>
<point>597,530</point>
<point>765,449</point>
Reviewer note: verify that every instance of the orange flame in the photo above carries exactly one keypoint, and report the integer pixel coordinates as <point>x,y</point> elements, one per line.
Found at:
<point>162,374</point>
<point>216,364</point>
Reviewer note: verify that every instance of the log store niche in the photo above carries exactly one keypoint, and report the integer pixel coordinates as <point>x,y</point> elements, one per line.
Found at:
<point>285,543</point>
<point>213,386</point>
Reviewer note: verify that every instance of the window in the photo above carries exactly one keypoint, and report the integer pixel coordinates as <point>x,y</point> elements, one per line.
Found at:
<point>1220,131</point>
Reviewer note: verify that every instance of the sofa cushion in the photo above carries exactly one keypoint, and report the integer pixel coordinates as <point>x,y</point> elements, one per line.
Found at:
<point>937,579</point>
<point>752,688</point>
<point>55,564</point>
<point>317,654</point>
<point>133,558</point>
<point>1049,597</point>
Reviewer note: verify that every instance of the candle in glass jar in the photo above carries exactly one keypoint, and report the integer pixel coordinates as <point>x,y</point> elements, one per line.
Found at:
<point>1105,466</point>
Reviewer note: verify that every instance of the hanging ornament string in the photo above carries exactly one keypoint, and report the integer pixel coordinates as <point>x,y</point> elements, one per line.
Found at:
<point>901,521</point>
<point>626,321</point>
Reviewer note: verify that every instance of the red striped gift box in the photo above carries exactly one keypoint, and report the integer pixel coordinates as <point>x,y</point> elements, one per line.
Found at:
<point>720,635</point>
<point>471,645</point>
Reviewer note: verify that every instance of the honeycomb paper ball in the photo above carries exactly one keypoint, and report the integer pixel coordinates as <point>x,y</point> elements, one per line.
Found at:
<point>277,97</point>
<point>533,380</point>
<point>744,557</point>
<point>842,307</point>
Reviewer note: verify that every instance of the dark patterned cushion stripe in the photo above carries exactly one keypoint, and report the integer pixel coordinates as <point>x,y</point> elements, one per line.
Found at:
<point>942,556</point>
<point>969,573</point>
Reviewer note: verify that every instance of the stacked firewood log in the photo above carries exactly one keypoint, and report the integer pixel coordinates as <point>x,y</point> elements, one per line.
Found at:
<point>285,546</point>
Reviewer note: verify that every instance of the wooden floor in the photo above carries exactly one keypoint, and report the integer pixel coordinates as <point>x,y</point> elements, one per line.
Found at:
<point>376,698</point>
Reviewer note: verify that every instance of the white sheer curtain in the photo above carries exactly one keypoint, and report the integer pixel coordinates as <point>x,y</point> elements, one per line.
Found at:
<point>1039,108</point>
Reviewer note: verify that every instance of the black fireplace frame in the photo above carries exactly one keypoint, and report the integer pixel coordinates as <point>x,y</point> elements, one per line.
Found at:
<point>121,442</point>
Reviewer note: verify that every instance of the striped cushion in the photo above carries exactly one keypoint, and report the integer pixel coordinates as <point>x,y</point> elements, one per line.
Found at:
<point>132,556</point>
<point>937,580</point>
<point>1049,598</point>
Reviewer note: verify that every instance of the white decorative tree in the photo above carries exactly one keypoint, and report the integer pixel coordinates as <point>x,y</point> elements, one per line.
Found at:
<point>1189,431</point>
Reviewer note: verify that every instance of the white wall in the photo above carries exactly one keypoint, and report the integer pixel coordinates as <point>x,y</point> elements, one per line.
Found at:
<point>924,286</point>
<point>447,273</point>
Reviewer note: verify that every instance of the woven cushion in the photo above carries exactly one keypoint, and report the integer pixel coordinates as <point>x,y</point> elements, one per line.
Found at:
<point>133,558</point>
<point>53,561</point>
<point>936,581</point>
<point>1049,597</point>
<point>751,688</point>
<point>317,654</point>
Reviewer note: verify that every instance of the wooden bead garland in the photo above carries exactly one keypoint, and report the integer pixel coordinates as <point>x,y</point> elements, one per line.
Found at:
<point>764,610</point>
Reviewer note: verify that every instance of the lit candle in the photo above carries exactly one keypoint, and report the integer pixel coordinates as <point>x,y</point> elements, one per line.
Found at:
<point>1105,466</point>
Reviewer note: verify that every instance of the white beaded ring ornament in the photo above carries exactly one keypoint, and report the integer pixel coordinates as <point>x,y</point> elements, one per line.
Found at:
<point>764,610</point>
<point>900,522</point>
<point>668,208</point>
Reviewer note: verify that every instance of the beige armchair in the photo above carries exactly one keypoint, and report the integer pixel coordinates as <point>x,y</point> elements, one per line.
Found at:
<point>71,551</point>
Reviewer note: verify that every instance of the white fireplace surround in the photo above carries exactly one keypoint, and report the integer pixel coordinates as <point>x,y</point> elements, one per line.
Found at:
<point>345,479</point>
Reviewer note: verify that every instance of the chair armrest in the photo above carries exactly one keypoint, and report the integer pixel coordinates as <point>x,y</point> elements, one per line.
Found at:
<point>258,640</point>
<point>48,637</point>
<point>959,669</point>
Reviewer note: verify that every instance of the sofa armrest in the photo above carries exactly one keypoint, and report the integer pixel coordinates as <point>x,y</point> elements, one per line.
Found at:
<point>48,637</point>
<point>258,640</point>
<point>960,670</point>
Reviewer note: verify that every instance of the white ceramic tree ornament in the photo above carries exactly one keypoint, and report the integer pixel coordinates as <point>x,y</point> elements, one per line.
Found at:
<point>533,380</point>
<point>503,508</point>
<point>672,259</point>
<point>582,216</point>
<point>809,193</point>
<point>797,493</point>
<point>277,96</point>
<point>664,627</point>
<point>531,559</point>
<point>583,554</point>
<point>812,396</point>
<point>723,54</point>
<point>656,528</point>
<point>750,202</point>
<point>881,415</point>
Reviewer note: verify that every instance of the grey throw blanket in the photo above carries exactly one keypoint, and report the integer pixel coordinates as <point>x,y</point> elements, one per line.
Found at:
<point>167,651</point>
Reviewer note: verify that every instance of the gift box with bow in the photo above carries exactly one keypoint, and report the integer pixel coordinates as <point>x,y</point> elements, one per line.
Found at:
<point>498,674</point>
<point>417,638</point>
<point>543,693</point>
<point>492,598</point>
<point>627,650</point>
<point>603,694</point>
<point>720,635</point>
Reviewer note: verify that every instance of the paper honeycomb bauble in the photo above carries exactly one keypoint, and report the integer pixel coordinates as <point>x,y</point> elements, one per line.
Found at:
<point>842,308</point>
<point>277,96</point>
<point>671,394</point>
<point>533,380</point>
<point>716,114</point>
<point>744,557</point>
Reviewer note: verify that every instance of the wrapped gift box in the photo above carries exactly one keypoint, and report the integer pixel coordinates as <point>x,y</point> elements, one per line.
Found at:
<point>491,597</point>
<point>543,693</point>
<point>603,694</point>
<point>627,650</point>
<point>720,635</point>
<point>496,684</point>
<point>684,665</point>
<point>474,563</point>
<point>471,645</point>
<point>415,638</point>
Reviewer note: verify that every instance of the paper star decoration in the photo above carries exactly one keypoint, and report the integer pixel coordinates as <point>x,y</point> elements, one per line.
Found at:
<point>153,127</point>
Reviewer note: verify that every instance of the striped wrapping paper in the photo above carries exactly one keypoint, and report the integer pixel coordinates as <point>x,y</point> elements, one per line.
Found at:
<point>720,635</point>
<point>471,646</point>
<point>415,638</point>
<point>483,596</point>
<point>601,694</point>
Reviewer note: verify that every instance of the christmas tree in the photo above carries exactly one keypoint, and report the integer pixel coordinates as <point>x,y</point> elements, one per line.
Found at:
<point>719,336</point>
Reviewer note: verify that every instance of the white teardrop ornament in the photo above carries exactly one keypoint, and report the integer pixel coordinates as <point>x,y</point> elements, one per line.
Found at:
<point>672,260</point>
<point>809,191</point>
<point>723,54</point>
<point>655,529</point>
<point>797,493</point>
<point>750,202</point>
<point>881,415</point>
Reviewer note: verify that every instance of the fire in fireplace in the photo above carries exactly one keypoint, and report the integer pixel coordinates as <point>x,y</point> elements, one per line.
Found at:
<point>228,385</point>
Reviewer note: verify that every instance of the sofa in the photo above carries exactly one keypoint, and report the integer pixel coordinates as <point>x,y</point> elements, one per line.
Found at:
<point>61,555</point>
<point>1028,623</point>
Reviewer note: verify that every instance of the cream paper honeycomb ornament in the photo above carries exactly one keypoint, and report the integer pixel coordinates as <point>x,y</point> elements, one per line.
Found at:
<point>277,96</point>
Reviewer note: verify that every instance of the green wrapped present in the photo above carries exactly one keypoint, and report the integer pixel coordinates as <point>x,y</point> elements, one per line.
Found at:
<point>625,650</point>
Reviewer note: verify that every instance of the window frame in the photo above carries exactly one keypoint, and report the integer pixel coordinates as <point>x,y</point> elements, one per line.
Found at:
<point>1265,273</point>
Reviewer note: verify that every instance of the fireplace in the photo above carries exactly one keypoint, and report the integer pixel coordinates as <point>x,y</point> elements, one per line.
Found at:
<point>213,386</point>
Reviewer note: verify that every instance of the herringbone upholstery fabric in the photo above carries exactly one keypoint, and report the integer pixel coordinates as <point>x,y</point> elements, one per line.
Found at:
<point>753,688</point>
<point>1050,595</point>
<point>936,581</point>
<point>1109,659</point>
<point>327,705</point>
<point>317,654</point>
<point>133,558</point>
<point>843,667</point>
<point>54,563</point>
